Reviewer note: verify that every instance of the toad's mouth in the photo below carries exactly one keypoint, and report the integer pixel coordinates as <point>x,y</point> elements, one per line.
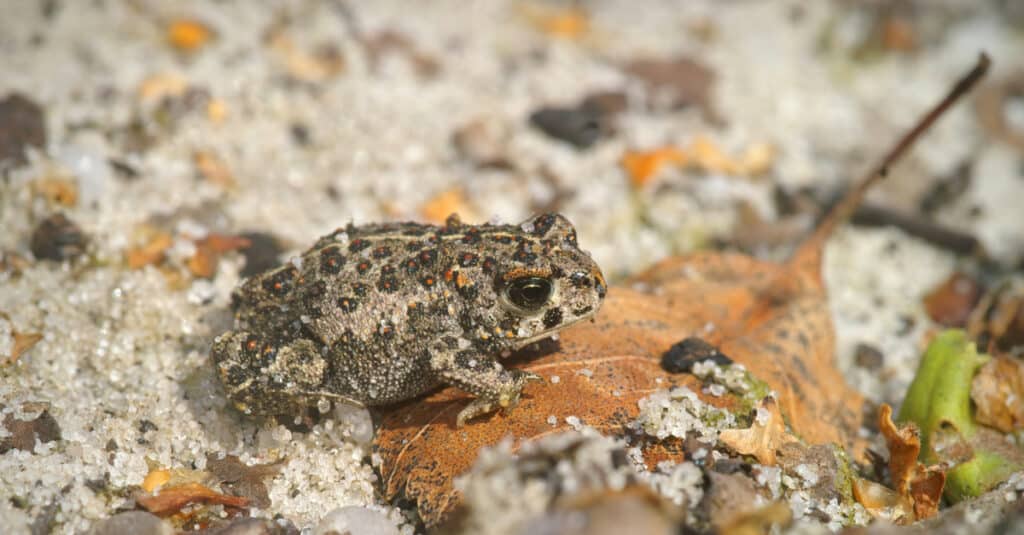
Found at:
<point>523,342</point>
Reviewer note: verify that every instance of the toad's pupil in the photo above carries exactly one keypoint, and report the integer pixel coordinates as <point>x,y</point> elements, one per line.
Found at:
<point>529,293</point>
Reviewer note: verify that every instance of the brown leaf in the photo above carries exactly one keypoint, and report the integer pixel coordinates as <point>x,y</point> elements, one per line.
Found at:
<point>151,251</point>
<point>760,521</point>
<point>998,320</point>
<point>388,41</point>
<point>764,437</point>
<point>997,391</point>
<point>188,35</point>
<point>921,486</point>
<point>203,263</point>
<point>23,434</point>
<point>214,169</point>
<point>170,500</point>
<point>244,480</point>
<point>772,318</point>
<point>675,83</point>
<point>951,302</point>
<point>22,343</point>
<point>883,502</point>
<point>904,444</point>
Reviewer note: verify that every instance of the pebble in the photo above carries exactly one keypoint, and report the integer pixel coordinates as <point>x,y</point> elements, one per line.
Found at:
<point>580,127</point>
<point>355,520</point>
<point>132,523</point>
<point>22,125</point>
<point>57,238</point>
<point>681,357</point>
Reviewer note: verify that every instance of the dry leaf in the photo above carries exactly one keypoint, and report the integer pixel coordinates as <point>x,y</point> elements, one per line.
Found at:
<point>448,202</point>
<point>152,251</point>
<point>213,169</point>
<point>904,444</point>
<point>883,502</point>
<point>772,318</point>
<point>675,83</point>
<point>570,23</point>
<point>170,500</point>
<point>57,190</point>
<point>641,166</point>
<point>22,343</point>
<point>760,521</point>
<point>188,35</point>
<point>998,320</point>
<point>951,303</point>
<point>921,486</point>
<point>203,263</point>
<point>997,391</point>
<point>389,41</point>
<point>24,434</point>
<point>764,437</point>
<point>244,480</point>
<point>320,65</point>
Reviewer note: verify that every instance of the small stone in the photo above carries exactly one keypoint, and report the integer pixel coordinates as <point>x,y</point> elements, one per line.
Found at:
<point>681,357</point>
<point>22,125</point>
<point>262,254</point>
<point>132,523</point>
<point>355,520</point>
<point>868,357</point>
<point>580,127</point>
<point>57,238</point>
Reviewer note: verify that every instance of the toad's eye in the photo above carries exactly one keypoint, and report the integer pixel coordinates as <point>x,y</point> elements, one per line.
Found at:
<point>529,293</point>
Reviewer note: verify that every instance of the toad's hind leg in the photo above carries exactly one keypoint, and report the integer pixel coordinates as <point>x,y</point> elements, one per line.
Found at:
<point>267,378</point>
<point>495,387</point>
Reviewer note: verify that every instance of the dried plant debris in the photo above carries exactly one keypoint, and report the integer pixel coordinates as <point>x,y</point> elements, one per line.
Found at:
<point>675,83</point>
<point>22,125</point>
<point>389,41</point>
<point>243,480</point>
<point>26,426</point>
<point>998,320</point>
<point>58,238</point>
<point>765,436</point>
<point>189,35</point>
<point>994,107</point>
<point>950,303</point>
<point>998,394</point>
<point>772,318</point>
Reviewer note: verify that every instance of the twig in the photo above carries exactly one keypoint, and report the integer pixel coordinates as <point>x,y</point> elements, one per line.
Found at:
<point>811,248</point>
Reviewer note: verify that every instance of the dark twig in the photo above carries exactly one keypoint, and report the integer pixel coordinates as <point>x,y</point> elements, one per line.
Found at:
<point>811,248</point>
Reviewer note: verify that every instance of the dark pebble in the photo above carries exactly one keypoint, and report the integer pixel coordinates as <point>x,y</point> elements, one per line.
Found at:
<point>132,523</point>
<point>22,125</point>
<point>868,357</point>
<point>262,254</point>
<point>681,357</point>
<point>300,134</point>
<point>580,127</point>
<point>57,238</point>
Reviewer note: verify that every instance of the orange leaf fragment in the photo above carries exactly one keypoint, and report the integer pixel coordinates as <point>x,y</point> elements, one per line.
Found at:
<point>764,437</point>
<point>151,252</point>
<point>951,302</point>
<point>643,165</point>
<point>904,445</point>
<point>709,156</point>
<point>170,500</point>
<point>882,502</point>
<point>22,343</point>
<point>156,479</point>
<point>216,110</point>
<point>203,263</point>
<point>188,35</point>
<point>997,391</point>
<point>57,190</point>
<point>572,23</point>
<point>213,169</point>
<point>446,203</point>
<point>921,486</point>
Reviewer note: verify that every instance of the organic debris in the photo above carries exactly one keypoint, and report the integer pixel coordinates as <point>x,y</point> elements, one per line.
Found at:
<point>998,320</point>
<point>22,125</point>
<point>950,303</point>
<point>772,318</point>
<point>171,500</point>
<point>764,437</point>
<point>997,392</point>
<point>188,35</point>
<point>675,83</point>
<point>25,434</point>
<point>58,238</point>
<point>243,480</point>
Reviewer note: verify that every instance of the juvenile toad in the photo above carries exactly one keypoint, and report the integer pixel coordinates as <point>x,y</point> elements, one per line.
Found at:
<point>381,313</point>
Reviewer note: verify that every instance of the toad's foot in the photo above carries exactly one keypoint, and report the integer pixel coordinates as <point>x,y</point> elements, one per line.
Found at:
<point>506,397</point>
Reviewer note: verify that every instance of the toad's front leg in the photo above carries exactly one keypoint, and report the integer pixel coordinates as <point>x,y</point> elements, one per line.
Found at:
<point>483,376</point>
